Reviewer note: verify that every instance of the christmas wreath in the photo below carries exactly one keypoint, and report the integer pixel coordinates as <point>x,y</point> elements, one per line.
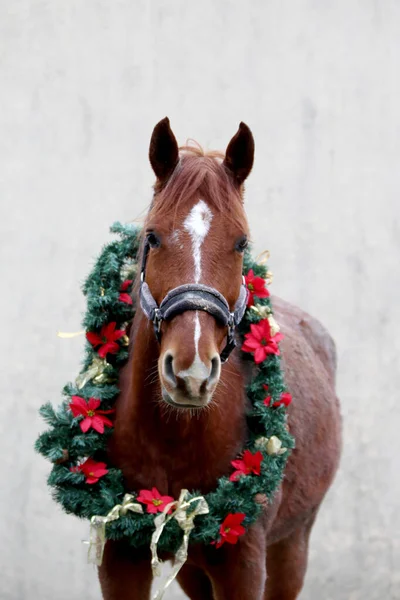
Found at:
<point>76,443</point>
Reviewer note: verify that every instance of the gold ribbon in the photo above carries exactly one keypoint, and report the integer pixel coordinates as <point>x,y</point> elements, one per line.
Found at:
<point>265,313</point>
<point>94,371</point>
<point>67,334</point>
<point>272,445</point>
<point>97,538</point>
<point>263,257</point>
<point>185,521</point>
<point>128,271</point>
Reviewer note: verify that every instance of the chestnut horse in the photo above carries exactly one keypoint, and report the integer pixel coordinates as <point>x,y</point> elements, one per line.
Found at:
<point>180,416</point>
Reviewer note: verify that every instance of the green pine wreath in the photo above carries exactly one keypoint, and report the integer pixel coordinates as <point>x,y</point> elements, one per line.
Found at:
<point>109,313</point>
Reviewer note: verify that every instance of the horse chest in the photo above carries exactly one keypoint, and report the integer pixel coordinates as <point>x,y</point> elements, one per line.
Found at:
<point>172,460</point>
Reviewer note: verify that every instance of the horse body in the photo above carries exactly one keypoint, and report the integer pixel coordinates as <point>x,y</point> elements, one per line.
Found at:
<point>158,443</point>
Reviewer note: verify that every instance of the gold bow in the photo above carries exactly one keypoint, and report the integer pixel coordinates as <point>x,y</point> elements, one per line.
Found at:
<point>98,524</point>
<point>265,313</point>
<point>185,521</point>
<point>94,371</point>
<point>272,445</point>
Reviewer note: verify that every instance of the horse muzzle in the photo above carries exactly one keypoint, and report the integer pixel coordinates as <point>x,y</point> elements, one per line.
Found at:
<point>190,388</point>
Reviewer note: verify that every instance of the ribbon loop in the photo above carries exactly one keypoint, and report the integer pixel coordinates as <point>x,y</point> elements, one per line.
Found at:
<point>97,537</point>
<point>96,368</point>
<point>186,523</point>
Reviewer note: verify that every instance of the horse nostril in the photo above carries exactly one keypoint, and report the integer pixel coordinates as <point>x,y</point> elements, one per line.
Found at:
<point>169,370</point>
<point>215,370</point>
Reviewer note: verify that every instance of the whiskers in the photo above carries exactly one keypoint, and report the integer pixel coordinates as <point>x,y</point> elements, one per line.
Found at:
<point>169,412</point>
<point>152,375</point>
<point>229,371</point>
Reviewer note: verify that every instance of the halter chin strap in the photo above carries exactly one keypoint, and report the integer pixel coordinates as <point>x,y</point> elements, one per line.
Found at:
<point>192,296</point>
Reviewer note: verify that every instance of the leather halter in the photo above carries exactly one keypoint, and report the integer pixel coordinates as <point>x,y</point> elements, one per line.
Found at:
<point>192,296</point>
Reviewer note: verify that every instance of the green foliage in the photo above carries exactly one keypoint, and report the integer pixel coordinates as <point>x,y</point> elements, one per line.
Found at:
<point>116,263</point>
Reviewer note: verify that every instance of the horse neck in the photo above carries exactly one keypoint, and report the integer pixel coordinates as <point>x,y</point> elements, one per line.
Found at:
<point>154,444</point>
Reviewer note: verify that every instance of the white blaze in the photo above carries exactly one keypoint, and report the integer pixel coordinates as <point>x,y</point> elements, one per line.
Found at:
<point>197,332</point>
<point>197,224</point>
<point>197,369</point>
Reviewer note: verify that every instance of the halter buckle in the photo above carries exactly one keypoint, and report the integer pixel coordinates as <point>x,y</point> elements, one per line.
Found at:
<point>157,319</point>
<point>230,341</point>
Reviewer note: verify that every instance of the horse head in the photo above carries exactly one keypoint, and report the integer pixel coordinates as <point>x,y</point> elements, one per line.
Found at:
<point>195,236</point>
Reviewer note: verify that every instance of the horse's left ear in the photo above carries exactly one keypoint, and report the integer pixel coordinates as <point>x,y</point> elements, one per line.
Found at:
<point>239,155</point>
<point>163,151</point>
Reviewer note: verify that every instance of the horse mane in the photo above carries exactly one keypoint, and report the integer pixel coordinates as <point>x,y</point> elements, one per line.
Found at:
<point>201,174</point>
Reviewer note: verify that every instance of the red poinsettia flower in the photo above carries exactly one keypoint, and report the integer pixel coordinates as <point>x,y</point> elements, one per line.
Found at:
<point>231,529</point>
<point>92,417</point>
<point>260,341</point>
<point>250,463</point>
<point>124,296</point>
<point>256,287</point>
<point>154,501</point>
<point>267,400</point>
<point>284,400</point>
<point>106,339</point>
<point>91,469</point>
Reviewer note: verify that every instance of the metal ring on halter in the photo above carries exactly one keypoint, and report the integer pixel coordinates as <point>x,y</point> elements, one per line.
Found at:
<point>192,296</point>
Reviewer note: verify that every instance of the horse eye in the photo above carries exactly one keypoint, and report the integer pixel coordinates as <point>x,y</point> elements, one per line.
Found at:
<point>153,240</point>
<point>241,244</point>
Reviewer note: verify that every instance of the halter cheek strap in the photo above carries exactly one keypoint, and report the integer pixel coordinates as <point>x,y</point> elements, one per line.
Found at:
<point>192,296</point>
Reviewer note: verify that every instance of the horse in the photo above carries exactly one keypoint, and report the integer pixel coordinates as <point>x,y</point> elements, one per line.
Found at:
<point>180,414</point>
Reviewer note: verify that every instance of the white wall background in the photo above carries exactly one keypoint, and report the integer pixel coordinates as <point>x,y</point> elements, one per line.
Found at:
<point>81,86</point>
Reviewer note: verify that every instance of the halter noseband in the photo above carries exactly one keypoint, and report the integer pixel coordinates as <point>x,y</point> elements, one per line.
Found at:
<point>192,296</point>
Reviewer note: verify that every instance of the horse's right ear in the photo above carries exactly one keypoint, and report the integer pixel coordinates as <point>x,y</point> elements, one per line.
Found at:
<point>163,151</point>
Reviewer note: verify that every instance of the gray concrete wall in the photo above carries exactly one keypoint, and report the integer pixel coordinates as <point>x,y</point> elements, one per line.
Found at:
<point>81,86</point>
